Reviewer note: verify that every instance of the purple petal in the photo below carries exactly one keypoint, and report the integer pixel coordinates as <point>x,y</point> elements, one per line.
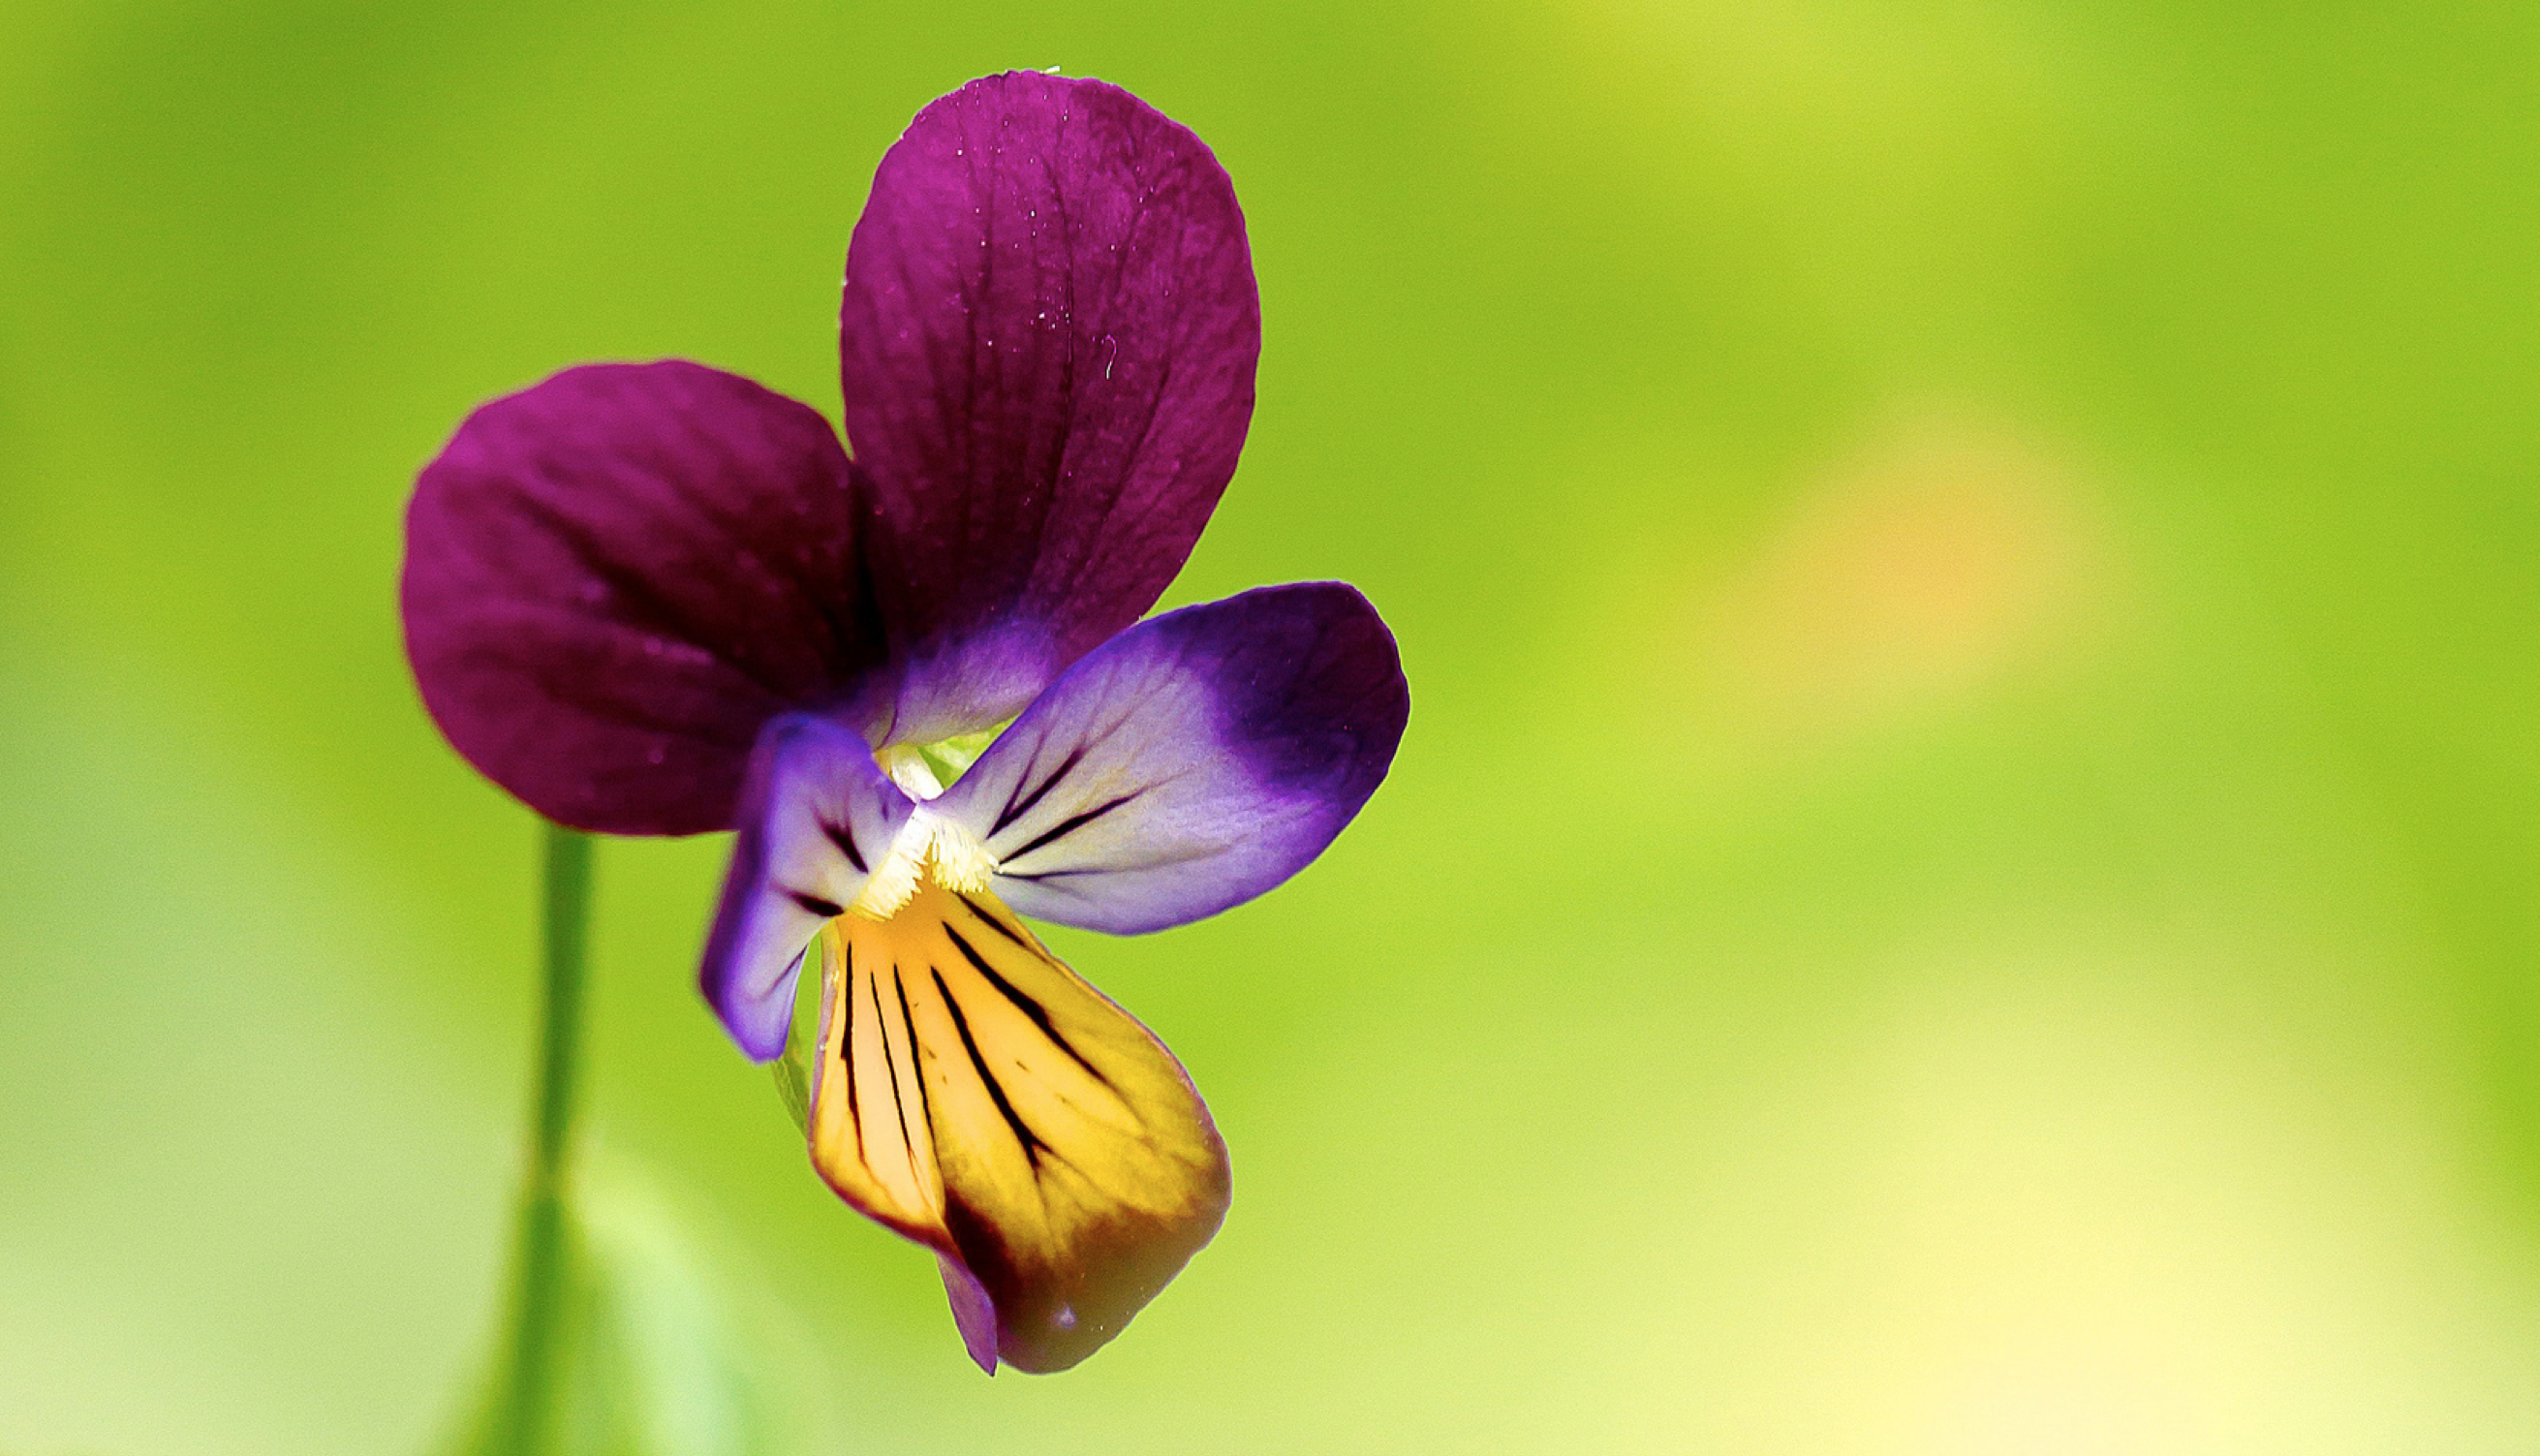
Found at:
<point>816,815</point>
<point>975,1314</point>
<point>1048,341</point>
<point>1192,762</point>
<point>613,577</point>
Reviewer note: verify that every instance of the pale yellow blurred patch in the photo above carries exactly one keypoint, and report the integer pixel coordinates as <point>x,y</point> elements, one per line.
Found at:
<point>2038,1203</point>
<point>1940,556</point>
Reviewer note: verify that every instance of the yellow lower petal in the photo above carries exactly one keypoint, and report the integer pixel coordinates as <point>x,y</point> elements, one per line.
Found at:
<point>978,1095</point>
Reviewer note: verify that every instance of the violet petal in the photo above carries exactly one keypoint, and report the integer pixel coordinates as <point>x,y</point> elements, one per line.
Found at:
<point>816,815</point>
<point>1192,762</point>
<point>975,1314</point>
<point>1047,341</point>
<point>613,577</point>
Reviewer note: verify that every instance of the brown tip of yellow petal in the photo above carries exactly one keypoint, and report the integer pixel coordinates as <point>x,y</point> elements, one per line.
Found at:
<point>979,1096</point>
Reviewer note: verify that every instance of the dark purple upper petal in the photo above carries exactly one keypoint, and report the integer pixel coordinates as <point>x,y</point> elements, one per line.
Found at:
<point>816,817</point>
<point>1048,340</point>
<point>1192,762</point>
<point>614,578</point>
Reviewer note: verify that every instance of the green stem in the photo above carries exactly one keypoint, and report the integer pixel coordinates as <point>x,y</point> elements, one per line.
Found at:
<point>522,1421</point>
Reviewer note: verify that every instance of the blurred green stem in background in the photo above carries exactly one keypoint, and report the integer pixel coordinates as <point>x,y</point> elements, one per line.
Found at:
<point>521,1419</point>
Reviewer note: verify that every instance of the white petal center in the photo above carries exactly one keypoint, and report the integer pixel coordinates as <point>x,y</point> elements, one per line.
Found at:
<point>928,846</point>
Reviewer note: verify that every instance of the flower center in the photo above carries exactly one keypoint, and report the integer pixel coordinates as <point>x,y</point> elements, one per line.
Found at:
<point>924,770</point>
<point>907,767</point>
<point>929,849</point>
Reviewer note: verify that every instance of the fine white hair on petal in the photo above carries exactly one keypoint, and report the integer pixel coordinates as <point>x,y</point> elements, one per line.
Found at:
<point>928,846</point>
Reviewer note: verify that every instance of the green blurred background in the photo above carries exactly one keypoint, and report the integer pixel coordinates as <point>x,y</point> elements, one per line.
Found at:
<point>1962,879</point>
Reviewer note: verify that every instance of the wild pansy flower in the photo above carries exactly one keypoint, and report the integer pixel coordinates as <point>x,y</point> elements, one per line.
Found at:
<point>662,600</point>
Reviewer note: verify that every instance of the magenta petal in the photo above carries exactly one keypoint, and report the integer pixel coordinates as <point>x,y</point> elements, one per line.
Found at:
<point>613,577</point>
<point>1048,340</point>
<point>816,815</point>
<point>1192,762</point>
